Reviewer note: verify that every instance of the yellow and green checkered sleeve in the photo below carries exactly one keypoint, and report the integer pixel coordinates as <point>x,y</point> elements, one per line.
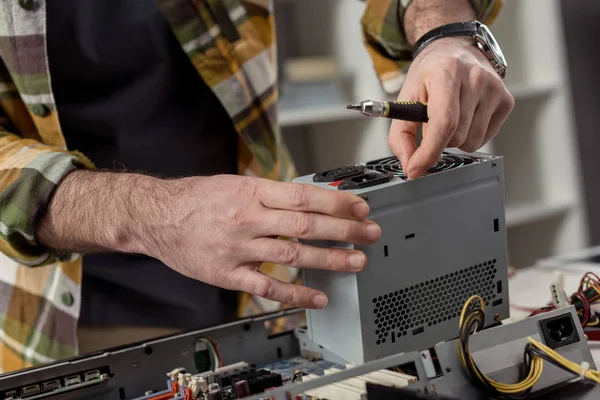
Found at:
<point>383,34</point>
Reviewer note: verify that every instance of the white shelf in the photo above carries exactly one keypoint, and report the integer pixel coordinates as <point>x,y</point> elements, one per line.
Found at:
<point>529,213</point>
<point>525,91</point>
<point>313,103</point>
<point>316,115</point>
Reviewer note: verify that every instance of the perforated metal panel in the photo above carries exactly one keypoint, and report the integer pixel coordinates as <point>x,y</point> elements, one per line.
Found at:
<point>409,310</point>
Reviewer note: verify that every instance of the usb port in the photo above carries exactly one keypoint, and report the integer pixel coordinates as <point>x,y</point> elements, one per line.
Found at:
<point>72,380</point>
<point>10,395</point>
<point>91,375</point>
<point>30,390</point>
<point>51,385</point>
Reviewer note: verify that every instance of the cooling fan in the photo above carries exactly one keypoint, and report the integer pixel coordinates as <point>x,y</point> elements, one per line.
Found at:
<point>446,162</point>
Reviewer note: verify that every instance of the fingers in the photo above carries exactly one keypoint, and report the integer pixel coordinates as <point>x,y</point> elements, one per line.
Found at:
<point>469,98</point>
<point>489,116</point>
<point>444,116</point>
<point>401,140</point>
<point>313,226</point>
<point>308,198</point>
<point>298,255</point>
<point>261,285</point>
<point>504,109</point>
<point>479,127</point>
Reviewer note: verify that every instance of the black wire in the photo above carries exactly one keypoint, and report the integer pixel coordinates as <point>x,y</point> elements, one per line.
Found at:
<point>531,348</point>
<point>475,320</point>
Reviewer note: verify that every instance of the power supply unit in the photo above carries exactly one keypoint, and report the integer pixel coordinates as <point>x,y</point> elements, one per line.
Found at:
<point>443,240</point>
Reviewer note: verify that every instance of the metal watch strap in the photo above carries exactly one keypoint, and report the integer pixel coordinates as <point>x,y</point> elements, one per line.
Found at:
<point>450,30</point>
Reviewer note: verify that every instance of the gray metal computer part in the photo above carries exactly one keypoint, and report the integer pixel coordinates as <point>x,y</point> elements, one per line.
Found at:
<point>443,240</point>
<point>498,352</point>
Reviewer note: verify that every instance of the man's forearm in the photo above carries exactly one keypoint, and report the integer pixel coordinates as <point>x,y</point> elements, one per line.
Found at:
<point>101,211</point>
<point>423,15</point>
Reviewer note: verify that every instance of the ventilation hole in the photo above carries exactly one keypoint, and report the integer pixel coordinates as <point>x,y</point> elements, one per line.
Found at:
<point>385,250</point>
<point>378,342</point>
<point>382,340</point>
<point>393,337</point>
<point>410,236</point>
<point>494,261</point>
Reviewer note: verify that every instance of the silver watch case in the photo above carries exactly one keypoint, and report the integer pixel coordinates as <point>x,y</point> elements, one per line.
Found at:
<point>485,40</point>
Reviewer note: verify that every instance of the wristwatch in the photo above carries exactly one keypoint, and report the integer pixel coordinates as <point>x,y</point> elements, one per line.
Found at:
<point>482,37</point>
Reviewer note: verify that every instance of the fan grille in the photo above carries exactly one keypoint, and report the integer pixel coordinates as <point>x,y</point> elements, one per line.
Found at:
<point>411,310</point>
<point>447,161</point>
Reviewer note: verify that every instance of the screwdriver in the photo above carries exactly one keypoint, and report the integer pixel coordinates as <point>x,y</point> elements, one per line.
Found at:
<point>405,110</point>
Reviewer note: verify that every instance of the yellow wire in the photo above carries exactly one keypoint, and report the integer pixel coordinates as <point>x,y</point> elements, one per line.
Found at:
<point>590,374</point>
<point>535,371</point>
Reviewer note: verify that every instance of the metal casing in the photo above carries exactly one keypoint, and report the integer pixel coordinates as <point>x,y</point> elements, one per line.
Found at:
<point>443,240</point>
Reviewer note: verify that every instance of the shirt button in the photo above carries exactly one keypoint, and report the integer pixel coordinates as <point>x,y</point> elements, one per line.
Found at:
<point>40,110</point>
<point>67,299</point>
<point>27,4</point>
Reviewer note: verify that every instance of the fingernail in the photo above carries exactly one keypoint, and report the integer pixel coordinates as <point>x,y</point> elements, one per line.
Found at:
<point>320,301</point>
<point>356,260</point>
<point>416,172</point>
<point>372,232</point>
<point>361,210</point>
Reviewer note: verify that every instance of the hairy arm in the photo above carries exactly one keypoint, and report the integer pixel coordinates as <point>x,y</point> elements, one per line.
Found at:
<point>424,15</point>
<point>101,211</point>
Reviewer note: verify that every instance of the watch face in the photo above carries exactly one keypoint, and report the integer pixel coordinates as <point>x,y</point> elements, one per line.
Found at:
<point>491,42</point>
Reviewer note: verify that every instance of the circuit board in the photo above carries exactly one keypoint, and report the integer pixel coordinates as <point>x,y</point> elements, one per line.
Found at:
<point>241,380</point>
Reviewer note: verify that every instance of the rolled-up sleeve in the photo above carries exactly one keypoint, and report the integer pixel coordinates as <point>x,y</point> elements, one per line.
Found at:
<point>29,174</point>
<point>386,43</point>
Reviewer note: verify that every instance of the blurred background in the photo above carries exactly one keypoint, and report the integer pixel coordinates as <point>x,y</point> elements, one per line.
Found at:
<point>550,142</point>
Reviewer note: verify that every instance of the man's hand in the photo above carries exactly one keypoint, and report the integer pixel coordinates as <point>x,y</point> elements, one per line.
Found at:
<point>467,101</point>
<point>226,226</point>
<point>215,229</point>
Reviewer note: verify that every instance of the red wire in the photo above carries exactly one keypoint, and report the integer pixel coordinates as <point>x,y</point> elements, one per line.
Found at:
<point>522,308</point>
<point>216,348</point>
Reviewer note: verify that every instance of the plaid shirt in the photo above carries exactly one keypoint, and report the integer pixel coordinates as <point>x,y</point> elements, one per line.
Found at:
<point>232,45</point>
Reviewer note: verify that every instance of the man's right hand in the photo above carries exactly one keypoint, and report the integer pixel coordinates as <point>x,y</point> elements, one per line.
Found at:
<point>218,230</point>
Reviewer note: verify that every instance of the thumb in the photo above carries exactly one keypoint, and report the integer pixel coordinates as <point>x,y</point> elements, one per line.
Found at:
<point>401,140</point>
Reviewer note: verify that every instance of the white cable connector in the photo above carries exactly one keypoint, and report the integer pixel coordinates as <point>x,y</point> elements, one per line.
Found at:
<point>195,386</point>
<point>585,366</point>
<point>175,373</point>
<point>559,296</point>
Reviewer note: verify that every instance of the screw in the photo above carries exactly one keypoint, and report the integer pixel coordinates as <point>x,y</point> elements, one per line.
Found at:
<point>497,317</point>
<point>494,164</point>
<point>423,355</point>
<point>448,370</point>
<point>184,352</point>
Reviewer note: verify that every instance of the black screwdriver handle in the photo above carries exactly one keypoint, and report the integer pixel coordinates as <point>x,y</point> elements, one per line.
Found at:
<point>407,111</point>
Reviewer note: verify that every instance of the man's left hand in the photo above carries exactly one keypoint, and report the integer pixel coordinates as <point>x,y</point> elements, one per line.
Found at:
<point>467,103</point>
